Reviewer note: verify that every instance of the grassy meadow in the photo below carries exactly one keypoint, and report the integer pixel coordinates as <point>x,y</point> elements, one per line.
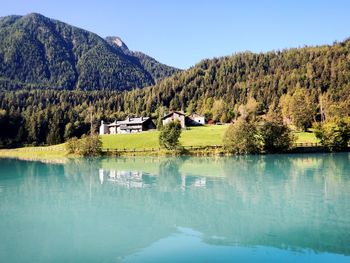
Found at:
<point>194,136</point>
<point>306,137</point>
<point>33,153</point>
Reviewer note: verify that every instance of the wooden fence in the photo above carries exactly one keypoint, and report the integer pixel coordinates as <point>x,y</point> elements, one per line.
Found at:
<point>157,149</point>
<point>194,148</point>
<point>306,144</point>
<point>191,148</point>
<point>296,146</point>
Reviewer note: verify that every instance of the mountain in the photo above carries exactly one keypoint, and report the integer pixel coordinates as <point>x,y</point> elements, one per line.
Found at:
<point>118,43</point>
<point>39,52</point>
<point>315,80</point>
<point>157,70</point>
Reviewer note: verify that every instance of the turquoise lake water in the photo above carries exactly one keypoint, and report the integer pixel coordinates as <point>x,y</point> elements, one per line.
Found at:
<point>273,208</point>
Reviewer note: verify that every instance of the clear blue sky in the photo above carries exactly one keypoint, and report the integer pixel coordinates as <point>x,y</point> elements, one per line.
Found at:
<point>183,32</point>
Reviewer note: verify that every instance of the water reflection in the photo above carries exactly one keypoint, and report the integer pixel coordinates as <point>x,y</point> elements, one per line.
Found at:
<point>129,179</point>
<point>139,179</point>
<point>117,207</point>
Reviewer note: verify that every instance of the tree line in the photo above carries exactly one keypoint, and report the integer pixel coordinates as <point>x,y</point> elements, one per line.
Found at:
<point>307,85</point>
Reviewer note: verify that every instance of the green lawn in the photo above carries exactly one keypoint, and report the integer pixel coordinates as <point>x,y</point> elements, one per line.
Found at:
<point>130,141</point>
<point>203,136</point>
<point>306,137</point>
<point>195,136</point>
<point>32,153</point>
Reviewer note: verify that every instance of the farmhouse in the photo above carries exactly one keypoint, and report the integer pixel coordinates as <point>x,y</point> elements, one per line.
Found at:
<point>195,119</point>
<point>129,125</point>
<point>175,115</point>
<point>192,120</point>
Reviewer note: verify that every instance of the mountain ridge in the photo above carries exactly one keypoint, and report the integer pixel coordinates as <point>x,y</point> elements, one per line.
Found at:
<point>40,52</point>
<point>157,69</point>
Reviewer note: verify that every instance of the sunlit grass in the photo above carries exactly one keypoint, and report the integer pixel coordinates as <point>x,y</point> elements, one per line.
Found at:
<point>32,153</point>
<point>194,136</point>
<point>306,137</point>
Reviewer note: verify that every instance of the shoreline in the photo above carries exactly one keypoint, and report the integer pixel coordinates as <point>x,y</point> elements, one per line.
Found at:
<point>59,152</point>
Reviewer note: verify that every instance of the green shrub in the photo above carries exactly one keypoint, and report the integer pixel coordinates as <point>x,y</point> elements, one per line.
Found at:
<point>86,146</point>
<point>333,134</point>
<point>169,135</point>
<point>72,145</point>
<point>276,137</point>
<point>242,138</point>
<point>91,146</point>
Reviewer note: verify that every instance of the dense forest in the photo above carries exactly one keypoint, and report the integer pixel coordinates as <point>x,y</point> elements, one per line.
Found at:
<point>306,85</point>
<point>266,77</point>
<point>38,52</point>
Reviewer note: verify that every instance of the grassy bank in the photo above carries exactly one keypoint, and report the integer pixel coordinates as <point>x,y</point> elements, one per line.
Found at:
<point>195,136</point>
<point>33,153</point>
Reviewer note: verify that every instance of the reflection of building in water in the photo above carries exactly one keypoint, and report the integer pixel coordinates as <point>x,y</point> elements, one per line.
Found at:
<point>139,179</point>
<point>193,181</point>
<point>200,182</point>
<point>101,175</point>
<point>130,179</point>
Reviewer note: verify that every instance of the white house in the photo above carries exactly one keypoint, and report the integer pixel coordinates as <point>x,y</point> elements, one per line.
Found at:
<point>129,125</point>
<point>104,128</point>
<point>175,115</point>
<point>197,119</point>
<point>192,120</point>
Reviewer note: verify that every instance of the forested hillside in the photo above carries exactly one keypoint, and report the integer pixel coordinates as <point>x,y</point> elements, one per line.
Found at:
<point>38,52</point>
<point>157,70</point>
<point>305,85</point>
<point>265,77</point>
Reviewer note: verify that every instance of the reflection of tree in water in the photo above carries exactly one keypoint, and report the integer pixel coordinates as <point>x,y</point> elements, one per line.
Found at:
<point>169,177</point>
<point>283,197</point>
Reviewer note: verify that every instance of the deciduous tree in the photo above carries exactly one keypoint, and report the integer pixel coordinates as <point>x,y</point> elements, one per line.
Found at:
<point>169,135</point>
<point>242,138</point>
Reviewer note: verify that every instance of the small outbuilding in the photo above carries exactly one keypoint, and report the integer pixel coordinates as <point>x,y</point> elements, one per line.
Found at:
<point>196,119</point>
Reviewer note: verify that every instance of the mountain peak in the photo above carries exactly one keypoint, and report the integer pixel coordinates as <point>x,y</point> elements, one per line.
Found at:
<point>118,42</point>
<point>34,15</point>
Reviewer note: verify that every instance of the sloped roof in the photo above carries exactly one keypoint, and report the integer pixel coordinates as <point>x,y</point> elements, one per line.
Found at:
<point>194,115</point>
<point>171,113</point>
<point>129,121</point>
<point>139,120</point>
<point>115,123</point>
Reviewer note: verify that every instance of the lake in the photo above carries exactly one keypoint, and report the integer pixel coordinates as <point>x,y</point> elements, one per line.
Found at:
<point>272,208</point>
